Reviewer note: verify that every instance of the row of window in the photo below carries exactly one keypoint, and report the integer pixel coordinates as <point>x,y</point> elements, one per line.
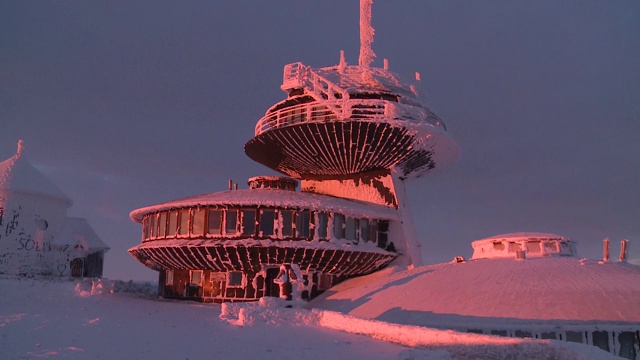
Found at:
<point>262,223</point>
<point>236,279</point>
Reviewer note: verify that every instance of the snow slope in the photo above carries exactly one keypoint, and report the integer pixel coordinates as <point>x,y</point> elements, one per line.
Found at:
<point>85,320</point>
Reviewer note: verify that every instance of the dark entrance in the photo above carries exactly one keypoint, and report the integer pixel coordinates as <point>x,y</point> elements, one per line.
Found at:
<point>271,288</point>
<point>76,267</point>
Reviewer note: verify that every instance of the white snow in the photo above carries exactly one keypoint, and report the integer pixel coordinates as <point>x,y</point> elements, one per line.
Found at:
<point>276,198</point>
<point>119,320</point>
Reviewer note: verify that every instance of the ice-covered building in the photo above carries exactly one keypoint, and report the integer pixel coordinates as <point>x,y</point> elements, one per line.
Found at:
<point>36,236</point>
<point>349,136</point>
<point>518,285</point>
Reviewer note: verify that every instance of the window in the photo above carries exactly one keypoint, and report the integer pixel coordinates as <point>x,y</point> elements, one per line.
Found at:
<point>152,226</point>
<point>324,281</point>
<point>248,222</point>
<point>198,222</point>
<point>267,218</point>
<point>513,247</point>
<point>162,226</point>
<point>145,226</point>
<point>338,226</point>
<point>350,229</point>
<point>231,222</point>
<point>184,222</point>
<point>168,279</point>
<point>364,229</point>
<point>303,220</point>
<point>235,279</point>
<point>533,246</point>
<point>373,231</point>
<point>196,277</point>
<point>173,223</point>
<point>498,246</point>
<point>215,222</point>
<point>287,222</point>
<point>601,339</point>
<point>323,220</point>
<point>383,237</point>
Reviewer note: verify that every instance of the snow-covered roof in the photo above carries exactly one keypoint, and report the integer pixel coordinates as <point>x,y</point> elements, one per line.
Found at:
<point>275,198</point>
<point>18,175</point>
<point>523,235</point>
<point>499,291</point>
<point>77,231</point>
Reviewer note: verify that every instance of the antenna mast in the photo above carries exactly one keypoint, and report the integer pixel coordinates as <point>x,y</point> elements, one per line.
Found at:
<point>366,34</point>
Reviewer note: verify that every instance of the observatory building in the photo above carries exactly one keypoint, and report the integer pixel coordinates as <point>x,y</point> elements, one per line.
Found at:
<point>349,137</point>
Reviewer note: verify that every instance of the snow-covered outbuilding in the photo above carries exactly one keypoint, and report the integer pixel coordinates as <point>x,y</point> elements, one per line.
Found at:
<point>36,236</point>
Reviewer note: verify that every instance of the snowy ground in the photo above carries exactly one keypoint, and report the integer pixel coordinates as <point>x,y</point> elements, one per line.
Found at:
<point>60,319</point>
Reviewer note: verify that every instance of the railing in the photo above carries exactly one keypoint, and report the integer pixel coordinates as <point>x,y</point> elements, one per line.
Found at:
<point>323,111</point>
<point>298,75</point>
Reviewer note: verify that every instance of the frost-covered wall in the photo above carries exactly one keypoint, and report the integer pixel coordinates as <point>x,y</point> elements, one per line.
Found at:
<point>28,224</point>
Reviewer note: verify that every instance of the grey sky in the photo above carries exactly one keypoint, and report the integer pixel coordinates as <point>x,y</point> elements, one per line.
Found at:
<point>128,104</point>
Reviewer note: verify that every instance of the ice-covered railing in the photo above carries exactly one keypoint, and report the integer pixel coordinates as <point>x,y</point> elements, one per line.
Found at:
<point>360,109</point>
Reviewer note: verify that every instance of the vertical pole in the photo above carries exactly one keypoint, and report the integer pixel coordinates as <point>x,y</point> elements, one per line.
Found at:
<point>623,250</point>
<point>411,240</point>
<point>605,250</point>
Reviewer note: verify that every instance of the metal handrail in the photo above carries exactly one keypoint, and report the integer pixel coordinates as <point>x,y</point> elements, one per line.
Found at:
<point>362,109</point>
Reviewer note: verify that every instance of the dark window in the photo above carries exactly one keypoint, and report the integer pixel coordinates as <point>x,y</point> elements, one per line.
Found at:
<point>303,220</point>
<point>627,350</point>
<point>234,279</point>
<point>383,237</point>
<point>231,222</point>
<point>145,226</point>
<point>267,218</point>
<point>323,219</point>
<point>338,226</point>
<point>601,340</point>
<point>350,229</point>
<point>364,229</point>
<point>324,281</point>
<point>248,222</point>
<point>215,222</point>
<point>373,231</point>
<point>287,223</point>
<point>574,336</point>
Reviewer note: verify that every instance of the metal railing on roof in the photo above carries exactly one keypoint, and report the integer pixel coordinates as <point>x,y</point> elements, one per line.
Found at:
<point>360,109</point>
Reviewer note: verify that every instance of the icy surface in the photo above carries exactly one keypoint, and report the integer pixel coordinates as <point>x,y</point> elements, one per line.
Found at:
<point>495,291</point>
<point>120,320</point>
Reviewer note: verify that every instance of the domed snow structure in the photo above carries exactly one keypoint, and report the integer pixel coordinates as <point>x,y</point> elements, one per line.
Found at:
<point>36,236</point>
<point>546,294</point>
<point>351,136</point>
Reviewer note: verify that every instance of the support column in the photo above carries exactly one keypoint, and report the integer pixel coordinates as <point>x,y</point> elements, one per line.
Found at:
<point>406,217</point>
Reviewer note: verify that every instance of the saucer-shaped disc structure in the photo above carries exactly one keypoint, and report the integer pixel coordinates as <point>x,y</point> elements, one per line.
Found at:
<point>342,121</point>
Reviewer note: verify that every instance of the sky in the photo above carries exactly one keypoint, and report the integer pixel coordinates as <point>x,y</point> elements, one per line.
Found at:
<point>129,104</point>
